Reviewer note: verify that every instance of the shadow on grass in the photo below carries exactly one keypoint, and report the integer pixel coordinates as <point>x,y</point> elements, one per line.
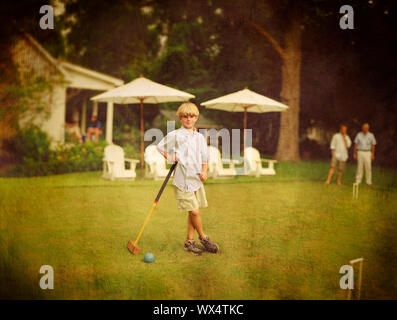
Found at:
<point>379,273</point>
<point>16,282</point>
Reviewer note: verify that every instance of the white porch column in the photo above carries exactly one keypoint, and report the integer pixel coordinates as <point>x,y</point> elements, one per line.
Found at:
<point>95,109</point>
<point>109,122</point>
<point>84,117</point>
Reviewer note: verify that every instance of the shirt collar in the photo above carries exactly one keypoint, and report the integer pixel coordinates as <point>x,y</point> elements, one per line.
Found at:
<point>187,132</point>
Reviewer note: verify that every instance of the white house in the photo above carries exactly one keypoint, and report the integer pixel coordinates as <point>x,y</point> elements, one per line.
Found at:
<point>32,59</point>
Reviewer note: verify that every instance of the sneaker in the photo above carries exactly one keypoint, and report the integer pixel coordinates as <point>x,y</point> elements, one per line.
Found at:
<point>209,245</point>
<point>192,247</point>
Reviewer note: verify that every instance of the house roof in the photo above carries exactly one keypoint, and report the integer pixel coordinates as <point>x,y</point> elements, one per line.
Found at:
<point>76,69</point>
<point>44,53</point>
<point>77,76</point>
<point>84,78</point>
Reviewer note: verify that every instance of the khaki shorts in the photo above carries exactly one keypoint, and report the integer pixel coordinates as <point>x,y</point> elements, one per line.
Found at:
<point>337,163</point>
<point>189,201</point>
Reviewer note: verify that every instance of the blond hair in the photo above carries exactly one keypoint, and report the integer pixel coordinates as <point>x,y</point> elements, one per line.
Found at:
<point>187,108</point>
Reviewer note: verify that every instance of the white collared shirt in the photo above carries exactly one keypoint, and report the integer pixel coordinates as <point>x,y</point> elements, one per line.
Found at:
<point>191,151</point>
<point>364,141</point>
<point>338,144</point>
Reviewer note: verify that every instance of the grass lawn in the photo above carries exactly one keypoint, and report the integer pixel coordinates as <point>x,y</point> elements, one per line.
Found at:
<point>281,237</point>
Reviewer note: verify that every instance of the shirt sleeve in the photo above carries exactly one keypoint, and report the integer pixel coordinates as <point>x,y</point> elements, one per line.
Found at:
<point>373,140</point>
<point>349,142</point>
<point>168,144</point>
<point>204,150</point>
<point>333,142</point>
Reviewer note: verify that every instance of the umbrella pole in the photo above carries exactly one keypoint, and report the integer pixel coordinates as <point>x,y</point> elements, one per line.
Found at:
<point>142,163</point>
<point>245,127</point>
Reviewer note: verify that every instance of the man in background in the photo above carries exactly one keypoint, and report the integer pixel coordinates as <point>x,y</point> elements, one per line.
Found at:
<point>364,152</point>
<point>339,145</point>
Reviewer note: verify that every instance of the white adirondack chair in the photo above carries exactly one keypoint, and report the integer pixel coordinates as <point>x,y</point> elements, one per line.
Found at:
<point>253,163</point>
<point>156,164</point>
<point>114,164</point>
<point>216,169</point>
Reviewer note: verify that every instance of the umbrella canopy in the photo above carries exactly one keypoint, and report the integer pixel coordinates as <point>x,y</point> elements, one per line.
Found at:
<point>245,101</point>
<point>142,90</point>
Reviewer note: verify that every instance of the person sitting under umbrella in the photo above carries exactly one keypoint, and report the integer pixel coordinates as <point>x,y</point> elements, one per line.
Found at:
<point>94,129</point>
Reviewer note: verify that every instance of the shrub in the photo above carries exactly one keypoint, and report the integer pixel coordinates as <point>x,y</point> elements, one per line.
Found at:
<point>77,157</point>
<point>37,159</point>
<point>130,151</point>
<point>31,144</point>
<point>127,136</point>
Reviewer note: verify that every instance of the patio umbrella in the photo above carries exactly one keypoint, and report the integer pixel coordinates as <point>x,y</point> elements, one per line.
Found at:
<point>245,101</point>
<point>142,90</point>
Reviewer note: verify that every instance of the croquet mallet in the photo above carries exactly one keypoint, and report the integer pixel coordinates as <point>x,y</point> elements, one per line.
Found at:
<point>133,246</point>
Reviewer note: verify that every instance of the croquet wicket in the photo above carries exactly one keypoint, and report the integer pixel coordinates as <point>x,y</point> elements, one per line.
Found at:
<point>355,190</point>
<point>360,276</point>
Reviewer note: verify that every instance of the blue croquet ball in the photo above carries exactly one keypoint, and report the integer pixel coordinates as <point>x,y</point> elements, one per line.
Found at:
<point>149,257</point>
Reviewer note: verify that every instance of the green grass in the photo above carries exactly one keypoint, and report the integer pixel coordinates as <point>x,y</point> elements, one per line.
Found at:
<point>281,237</point>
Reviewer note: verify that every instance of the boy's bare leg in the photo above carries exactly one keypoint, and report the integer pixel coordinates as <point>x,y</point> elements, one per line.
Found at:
<point>331,172</point>
<point>190,245</point>
<point>190,228</point>
<point>96,135</point>
<point>196,221</point>
<point>90,132</point>
<point>338,181</point>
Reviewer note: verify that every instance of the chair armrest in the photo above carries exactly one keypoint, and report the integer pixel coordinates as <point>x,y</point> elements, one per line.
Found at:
<point>131,160</point>
<point>268,160</point>
<point>229,161</point>
<point>270,163</point>
<point>133,163</point>
<point>235,161</point>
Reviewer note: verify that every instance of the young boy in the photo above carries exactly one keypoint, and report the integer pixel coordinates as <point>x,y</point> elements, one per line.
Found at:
<point>188,148</point>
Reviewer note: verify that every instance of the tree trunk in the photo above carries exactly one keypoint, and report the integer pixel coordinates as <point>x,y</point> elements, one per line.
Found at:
<point>288,142</point>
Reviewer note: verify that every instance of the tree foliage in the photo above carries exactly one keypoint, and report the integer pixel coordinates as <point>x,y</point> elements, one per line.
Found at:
<point>211,48</point>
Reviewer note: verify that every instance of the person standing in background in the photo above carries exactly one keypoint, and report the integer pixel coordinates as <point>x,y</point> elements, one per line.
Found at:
<point>364,152</point>
<point>339,144</point>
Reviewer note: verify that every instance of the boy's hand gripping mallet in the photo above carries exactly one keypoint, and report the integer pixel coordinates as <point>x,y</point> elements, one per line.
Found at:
<point>133,246</point>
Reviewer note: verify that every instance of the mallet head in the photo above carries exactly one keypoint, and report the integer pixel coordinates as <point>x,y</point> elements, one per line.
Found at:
<point>134,249</point>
